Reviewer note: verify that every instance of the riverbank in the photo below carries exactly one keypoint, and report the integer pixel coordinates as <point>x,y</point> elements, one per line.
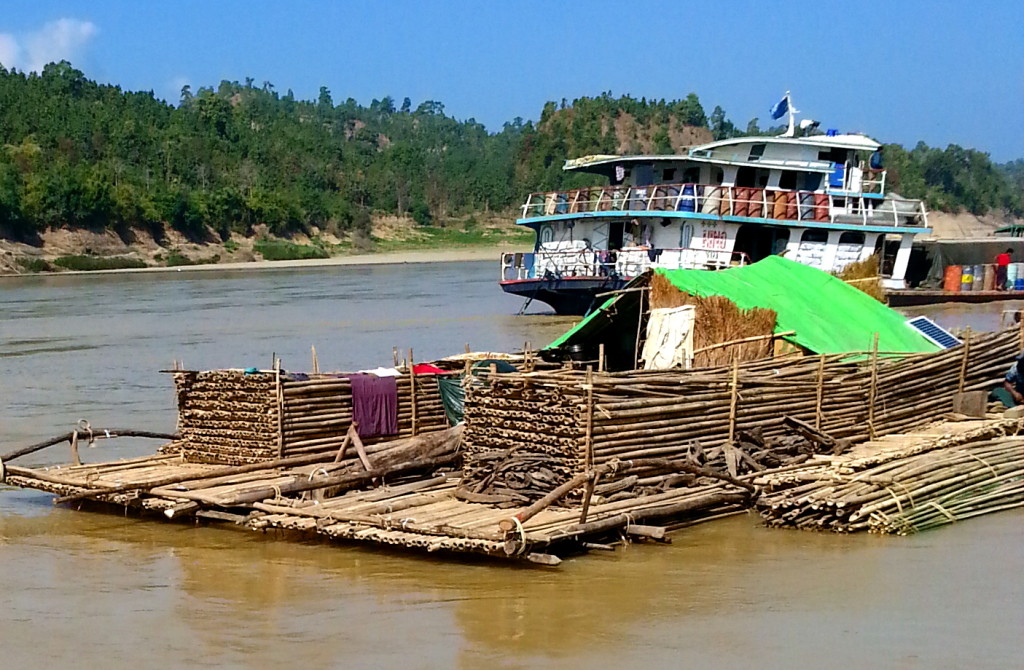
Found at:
<point>391,240</point>
<point>465,254</point>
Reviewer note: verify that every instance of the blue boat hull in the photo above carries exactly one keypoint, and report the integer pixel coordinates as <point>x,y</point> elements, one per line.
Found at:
<point>566,295</point>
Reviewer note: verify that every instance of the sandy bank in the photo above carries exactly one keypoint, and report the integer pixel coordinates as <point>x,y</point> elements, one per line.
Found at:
<point>483,253</point>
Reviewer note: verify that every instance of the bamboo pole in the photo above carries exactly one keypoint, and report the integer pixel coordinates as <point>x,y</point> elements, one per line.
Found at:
<point>754,338</point>
<point>509,524</point>
<point>639,328</point>
<point>589,444</point>
<point>818,416</point>
<point>872,391</point>
<point>279,391</point>
<point>98,433</point>
<point>734,399</point>
<point>74,449</point>
<point>412,386</point>
<point>963,360</point>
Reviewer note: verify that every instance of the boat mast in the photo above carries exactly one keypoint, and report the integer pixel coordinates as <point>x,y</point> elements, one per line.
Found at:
<point>792,111</point>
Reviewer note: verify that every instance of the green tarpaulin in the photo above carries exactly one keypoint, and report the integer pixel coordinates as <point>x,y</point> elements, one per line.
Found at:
<point>828,315</point>
<point>453,397</point>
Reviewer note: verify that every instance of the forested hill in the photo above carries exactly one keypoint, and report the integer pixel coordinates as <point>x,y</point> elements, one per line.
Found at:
<point>79,153</point>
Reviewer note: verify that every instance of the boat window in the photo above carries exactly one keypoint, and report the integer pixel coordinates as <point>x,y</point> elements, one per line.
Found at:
<point>615,232</point>
<point>745,177</point>
<point>757,241</point>
<point>810,181</point>
<point>668,174</point>
<point>833,155</point>
<point>756,152</point>
<point>787,180</point>
<point>749,177</point>
<point>644,175</point>
<point>717,175</point>
<point>814,235</point>
<point>691,175</point>
<point>851,237</point>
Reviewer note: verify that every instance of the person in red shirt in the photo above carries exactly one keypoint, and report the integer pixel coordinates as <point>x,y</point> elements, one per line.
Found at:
<point>1002,260</point>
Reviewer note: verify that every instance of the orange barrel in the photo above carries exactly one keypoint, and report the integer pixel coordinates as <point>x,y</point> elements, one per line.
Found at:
<point>756,204</point>
<point>990,278</point>
<point>820,207</point>
<point>967,278</point>
<point>791,206</point>
<point>952,278</point>
<point>742,205</point>
<point>779,209</point>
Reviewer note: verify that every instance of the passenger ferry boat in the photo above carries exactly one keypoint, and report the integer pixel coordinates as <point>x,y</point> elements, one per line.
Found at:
<point>812,197</point>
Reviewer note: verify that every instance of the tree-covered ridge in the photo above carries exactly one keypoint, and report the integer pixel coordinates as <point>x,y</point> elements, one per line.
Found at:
<point>79,153</point>
<point>84,154</point>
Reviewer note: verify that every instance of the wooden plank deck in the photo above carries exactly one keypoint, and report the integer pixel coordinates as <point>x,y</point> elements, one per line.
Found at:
<point>424,512</point>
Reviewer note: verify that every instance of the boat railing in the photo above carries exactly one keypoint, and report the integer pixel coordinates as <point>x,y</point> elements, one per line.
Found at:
<point>624,263</point>
<point>736,201</point>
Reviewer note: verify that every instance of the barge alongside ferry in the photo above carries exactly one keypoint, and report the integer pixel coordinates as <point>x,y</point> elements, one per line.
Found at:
<point>811,197</point>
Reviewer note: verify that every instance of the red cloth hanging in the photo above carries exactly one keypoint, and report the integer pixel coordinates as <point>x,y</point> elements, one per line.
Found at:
<point>427,369</point>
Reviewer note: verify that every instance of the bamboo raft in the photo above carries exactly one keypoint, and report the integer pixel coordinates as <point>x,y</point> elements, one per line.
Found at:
<point>549,463</point>
<point>413,500</point>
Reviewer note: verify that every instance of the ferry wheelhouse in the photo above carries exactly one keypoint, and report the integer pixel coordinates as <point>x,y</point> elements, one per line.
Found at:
<point>813,198</point>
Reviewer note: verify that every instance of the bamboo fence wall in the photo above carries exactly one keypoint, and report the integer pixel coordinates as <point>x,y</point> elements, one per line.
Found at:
<point>527,433</point>
<point>230,417</point>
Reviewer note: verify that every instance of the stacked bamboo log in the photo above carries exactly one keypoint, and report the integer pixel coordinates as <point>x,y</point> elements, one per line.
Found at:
<point>234,417</point>
<point>900,493</point>
<point>566,422</point>
<point>522,437</point>
<point>226,416</point>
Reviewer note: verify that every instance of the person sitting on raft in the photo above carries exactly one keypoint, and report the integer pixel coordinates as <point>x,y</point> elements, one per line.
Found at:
<point>1011,393</point>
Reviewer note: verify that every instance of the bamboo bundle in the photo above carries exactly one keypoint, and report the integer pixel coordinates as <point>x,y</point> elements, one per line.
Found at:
<point>984,497</point>
<point>568,422</point>
<point>233,417</point>
<point>902,493</point>
<point>226,416</point>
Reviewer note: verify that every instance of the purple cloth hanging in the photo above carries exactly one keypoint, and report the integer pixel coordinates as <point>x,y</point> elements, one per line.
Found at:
<point>374,404</point>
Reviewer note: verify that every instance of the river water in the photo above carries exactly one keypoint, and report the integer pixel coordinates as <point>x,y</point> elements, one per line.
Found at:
<point>98,588</point>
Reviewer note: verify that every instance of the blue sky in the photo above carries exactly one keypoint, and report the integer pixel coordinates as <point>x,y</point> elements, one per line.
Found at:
<point>940,72</point>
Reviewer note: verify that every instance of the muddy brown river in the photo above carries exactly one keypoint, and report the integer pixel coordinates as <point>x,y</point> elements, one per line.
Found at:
<point>101,590</point>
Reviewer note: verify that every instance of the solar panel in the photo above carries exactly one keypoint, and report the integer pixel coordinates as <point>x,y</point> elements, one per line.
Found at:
<point>933,332</point>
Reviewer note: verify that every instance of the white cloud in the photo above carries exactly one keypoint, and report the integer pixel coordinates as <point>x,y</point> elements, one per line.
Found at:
<point>9,50</point>
<point>63,39</point>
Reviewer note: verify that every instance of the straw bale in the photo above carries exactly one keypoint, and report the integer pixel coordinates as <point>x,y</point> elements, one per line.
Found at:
<point>864,276</point>
<point>718,320</point>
